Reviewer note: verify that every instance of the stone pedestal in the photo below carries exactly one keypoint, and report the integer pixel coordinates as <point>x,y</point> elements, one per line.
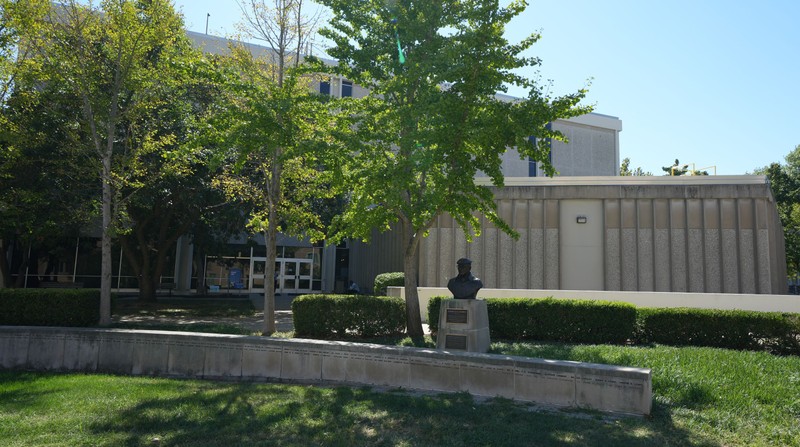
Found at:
<point>463,326</point>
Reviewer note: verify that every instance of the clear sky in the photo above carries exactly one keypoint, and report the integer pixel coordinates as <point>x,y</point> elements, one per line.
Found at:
<point>709,82</point>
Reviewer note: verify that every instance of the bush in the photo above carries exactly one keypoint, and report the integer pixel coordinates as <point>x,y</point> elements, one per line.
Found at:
<point>328,316</point>
<point>731,329</point>
<point>385,280</point>
<point>548,319</point>
<point>578,321</point>
<point>49,307</point>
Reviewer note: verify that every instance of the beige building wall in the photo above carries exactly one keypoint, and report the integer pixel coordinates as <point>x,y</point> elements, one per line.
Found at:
<point>666,234</point>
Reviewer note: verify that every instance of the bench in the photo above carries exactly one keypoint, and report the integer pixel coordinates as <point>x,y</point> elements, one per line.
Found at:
<point>168,286</point>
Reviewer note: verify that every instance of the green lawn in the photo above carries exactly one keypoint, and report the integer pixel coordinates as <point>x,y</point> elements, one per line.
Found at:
<point>707,397</point>
<point>702,397</point>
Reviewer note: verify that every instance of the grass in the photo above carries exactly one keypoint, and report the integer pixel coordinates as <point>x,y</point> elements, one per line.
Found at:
<point>702,397</point>
<point>99,410</point>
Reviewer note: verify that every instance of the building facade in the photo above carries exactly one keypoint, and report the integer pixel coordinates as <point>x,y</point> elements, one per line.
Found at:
<point>718,234</point>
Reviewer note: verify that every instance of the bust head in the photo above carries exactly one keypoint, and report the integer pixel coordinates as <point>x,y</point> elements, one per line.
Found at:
<point>464,266</point>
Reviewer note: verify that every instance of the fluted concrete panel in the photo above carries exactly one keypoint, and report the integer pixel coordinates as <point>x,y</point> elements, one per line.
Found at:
<point>551,275</point>
<point>678,259</point>
<point>487,270</point>
<point>645,264</point>
<point>447,258</point>
<point>658,234</point>
<point>629,274</point>
<point>521,262</point>
<point>460,245</point>
<point>613,264</point>
<point>506,261</point>
<point>762,256</point>
<point>696,261</point>
<point>663,273</point>
<point>747,267</point>
<point>476,253</point>
<point>536,259</point>
<point>730,262</point>
<point>429,258</point>
<point>713,261</point>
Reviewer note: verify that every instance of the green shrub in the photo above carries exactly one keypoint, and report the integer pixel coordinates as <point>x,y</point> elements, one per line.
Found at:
<point>49,307</point>
<point>579,321</point>
<point>731,329</point>
<point>385,280</point>
<point>548,319</point>
<point>327,316</point>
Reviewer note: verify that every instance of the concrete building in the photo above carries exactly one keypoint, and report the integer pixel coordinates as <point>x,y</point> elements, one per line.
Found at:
<point>670,234</point>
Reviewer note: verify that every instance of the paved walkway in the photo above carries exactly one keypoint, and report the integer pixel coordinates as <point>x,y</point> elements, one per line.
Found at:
<point>253,323</point>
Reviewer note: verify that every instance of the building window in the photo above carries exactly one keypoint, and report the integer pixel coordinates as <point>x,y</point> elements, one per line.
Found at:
<point>347,89</point>
<point>325,87</point>
<point>533,166</point>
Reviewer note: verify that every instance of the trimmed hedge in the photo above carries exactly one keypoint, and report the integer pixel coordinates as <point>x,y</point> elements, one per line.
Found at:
<point>385,280</point>
<point>328,316</point>
<point>731,329</point>
<point>572,321</point>
<point>50,307</point>
<point>586,321</point>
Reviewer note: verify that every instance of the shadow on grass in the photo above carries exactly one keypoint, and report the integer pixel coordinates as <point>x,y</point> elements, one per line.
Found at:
<point>268,414</point>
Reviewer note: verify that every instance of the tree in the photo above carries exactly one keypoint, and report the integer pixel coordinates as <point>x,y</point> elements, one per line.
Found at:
<point>115,58</point>
<point>432,119</point>
<point>46,184</point>
<point>273,127</point>
<point>172,193</point>
<point>625,171</point>
<point>784,180</point>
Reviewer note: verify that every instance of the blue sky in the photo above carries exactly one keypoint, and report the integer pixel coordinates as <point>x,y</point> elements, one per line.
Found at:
<point>710,82</point>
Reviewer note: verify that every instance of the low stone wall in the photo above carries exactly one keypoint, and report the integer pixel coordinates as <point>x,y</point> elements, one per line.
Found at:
<point>236,357</point>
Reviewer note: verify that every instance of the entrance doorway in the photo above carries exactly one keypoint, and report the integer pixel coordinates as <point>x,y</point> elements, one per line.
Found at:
<point>293,275</point>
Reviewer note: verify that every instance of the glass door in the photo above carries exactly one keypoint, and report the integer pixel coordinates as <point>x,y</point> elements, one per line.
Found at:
<point>257,268</point>
<point>296,276</point>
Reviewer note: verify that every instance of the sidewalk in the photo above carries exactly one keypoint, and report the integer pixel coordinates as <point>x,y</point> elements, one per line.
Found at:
<point>253,323</point>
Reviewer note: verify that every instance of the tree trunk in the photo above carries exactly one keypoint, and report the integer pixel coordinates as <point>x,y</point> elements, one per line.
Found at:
<point>269,275</point>
<point>5,268</point>
<point>147,288</point>
<point>199,259</point>
<point>411,272</point>
<point>105,267</point>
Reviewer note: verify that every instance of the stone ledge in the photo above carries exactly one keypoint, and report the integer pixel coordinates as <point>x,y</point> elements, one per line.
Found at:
<point>237,357</point>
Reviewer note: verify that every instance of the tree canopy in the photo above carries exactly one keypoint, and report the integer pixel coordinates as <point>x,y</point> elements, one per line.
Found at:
<point>433,118</point>
<point>784,180</point>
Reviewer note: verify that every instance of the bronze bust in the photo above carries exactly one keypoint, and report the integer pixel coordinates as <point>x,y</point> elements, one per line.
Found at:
<point>465,286</point>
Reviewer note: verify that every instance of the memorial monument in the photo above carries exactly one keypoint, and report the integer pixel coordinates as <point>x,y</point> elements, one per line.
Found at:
<point>465,286</point>
<point>464,320</point>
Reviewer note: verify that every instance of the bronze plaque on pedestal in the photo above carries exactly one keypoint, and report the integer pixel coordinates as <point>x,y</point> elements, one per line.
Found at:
<point>460,316</point>
<point>455,342</point>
